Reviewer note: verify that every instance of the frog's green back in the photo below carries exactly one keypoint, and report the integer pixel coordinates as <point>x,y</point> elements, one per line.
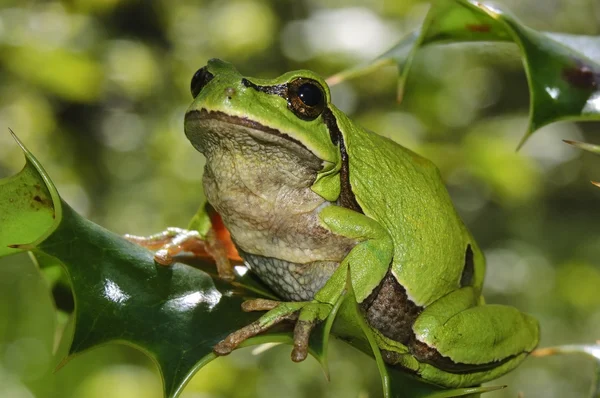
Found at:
<point>405,193</point>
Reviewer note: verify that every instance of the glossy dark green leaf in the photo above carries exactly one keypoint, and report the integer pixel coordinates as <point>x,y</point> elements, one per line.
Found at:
<point>174,314</point>
<point>564,83</point>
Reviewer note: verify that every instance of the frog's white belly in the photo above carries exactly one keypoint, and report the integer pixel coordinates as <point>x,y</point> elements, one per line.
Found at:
<point>291,281</point>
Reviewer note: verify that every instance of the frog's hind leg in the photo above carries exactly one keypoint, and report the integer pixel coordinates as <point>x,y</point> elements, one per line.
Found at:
<point>363,267</point>
<point>458,334</point>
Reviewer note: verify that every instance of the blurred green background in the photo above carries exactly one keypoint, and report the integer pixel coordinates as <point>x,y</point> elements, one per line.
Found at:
<point>97,90</point>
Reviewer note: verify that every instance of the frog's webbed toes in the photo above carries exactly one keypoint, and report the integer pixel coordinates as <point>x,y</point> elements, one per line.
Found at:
<point>301,336</point>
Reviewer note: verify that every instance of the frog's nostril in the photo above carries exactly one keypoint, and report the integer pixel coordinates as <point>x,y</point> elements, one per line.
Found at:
<point>230,92</point>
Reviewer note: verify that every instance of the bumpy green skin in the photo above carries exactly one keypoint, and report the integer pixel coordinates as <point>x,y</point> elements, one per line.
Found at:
<point>408,226</point>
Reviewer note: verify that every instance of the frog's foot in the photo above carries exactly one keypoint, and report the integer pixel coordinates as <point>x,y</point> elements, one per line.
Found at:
<point>306,314</point>
<point>461,342</point>
<point>176,241</point>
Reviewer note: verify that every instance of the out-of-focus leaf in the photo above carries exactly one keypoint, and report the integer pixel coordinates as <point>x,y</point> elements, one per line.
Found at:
<point>592,350</point>
<point>512,177</point>
<point>586,147</point>
<point>564,80</point>
<point>67,74</point>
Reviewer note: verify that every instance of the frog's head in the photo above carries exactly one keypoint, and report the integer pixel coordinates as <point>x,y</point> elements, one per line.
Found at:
<point>260,121</point>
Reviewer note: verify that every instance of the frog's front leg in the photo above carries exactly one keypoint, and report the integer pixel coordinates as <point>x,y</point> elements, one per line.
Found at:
<point>176,241</point>
<point>459,335</point>
<point>206,236</point>
<point>366,264</point>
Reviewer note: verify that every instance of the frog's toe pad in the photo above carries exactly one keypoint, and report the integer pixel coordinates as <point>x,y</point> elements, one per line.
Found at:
<point>230,343</point>
<point>163,257</point>
<point>301,336</point>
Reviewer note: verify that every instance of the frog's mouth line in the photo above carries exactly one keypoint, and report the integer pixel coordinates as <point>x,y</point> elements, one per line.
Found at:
<point>203,114</point>
<point>346,199</point>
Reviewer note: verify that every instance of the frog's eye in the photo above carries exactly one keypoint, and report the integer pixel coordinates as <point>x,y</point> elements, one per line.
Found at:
<point>306,98</point>
<point>200,79</point>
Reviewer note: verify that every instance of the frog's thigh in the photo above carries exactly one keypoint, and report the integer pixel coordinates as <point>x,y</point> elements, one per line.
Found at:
<point>370,259</point>
<point>475,335</point>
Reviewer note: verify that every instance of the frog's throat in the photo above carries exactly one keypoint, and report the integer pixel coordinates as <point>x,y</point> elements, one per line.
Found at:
<point>203,114</point>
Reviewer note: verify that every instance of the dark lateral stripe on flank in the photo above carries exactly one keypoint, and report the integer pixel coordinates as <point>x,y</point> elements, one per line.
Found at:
<point>203,114</point>
<point>347,198</point>
<point>431,356</point>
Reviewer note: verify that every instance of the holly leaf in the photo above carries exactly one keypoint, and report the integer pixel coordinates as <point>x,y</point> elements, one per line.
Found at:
<point>563,71</point>
<point>27,212</point>
<point>174,314</point>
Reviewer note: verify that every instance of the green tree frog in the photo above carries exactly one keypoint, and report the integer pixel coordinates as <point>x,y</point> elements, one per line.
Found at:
<point>313,200</point>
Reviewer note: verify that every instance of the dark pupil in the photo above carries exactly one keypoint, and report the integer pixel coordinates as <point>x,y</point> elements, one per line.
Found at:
<point>310,94</point>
